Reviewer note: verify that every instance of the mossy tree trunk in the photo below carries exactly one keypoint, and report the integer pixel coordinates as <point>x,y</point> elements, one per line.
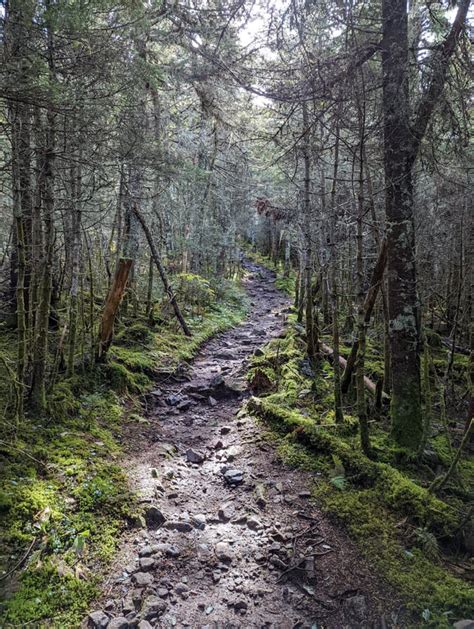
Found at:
<point>338,414</point>
<point>76,218</point>
<point>361,323</point>
<point>311,338</point>
<point>40,352</point>
<point>402,140</point>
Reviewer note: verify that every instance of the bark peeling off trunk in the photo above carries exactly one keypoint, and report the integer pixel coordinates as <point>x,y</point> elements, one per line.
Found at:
<point>112,304</point>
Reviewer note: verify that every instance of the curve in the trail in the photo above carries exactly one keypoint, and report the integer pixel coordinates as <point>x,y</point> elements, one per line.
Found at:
<point>232,539</point>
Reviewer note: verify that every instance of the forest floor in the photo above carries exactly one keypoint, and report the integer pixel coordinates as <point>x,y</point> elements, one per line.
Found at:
<point>230,535</point>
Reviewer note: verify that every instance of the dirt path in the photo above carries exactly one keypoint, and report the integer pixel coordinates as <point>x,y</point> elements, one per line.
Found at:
<point>225,519</point>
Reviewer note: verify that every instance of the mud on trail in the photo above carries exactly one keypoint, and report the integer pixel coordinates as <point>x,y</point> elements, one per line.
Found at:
<point>232,538</point>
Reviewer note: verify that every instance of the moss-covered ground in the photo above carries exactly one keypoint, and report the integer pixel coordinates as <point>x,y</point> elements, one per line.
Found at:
<point>411,536</point>
<point>63,496</point>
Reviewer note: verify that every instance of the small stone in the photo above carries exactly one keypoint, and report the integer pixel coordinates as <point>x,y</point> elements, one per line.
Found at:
<point>98,619</point>
<point>184,405</point>
<point>225,430</point>
<point>233,476</point>
<point>240,605</point>
<point>153,607</point>
<point>168,549</point>
<point>181,588</point>
<point>199,521</point>
<point>225,512</point>
<point>254,524</point>
<point>128,605</point>
<point>223,552</point>
<point>146,551</point>
<point>118,623</point>
<point>146,563</point>
<point>194,457</point>
<point>176,525</point>
<point>109,605</point>
<point>142,579</point>
<point>162,592</point>
<point>154,517</point>
<point>465,623</point>
<point>144,624</point>
<point>212,401</point>
<point>218,445</point>
<point>304,494</point>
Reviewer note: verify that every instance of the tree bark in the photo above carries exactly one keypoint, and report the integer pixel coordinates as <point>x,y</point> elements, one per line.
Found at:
<point>369,302</point>
<point>111,307</point>
<point>401,146</point>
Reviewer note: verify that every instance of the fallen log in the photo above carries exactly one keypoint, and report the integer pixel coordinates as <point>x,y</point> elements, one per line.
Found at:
<point>369,385</point>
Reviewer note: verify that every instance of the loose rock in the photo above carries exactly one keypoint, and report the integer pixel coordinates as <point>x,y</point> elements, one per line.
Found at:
<point>146,563</point>
<point>199,521</point>
<point>182,527</point>
<point>153,607</point>
<point>233,476</point>
<point>224,552</point>
<point>98,619</point>
<point>194,457</point>
<point>142,579</point>
<point>154,517</point>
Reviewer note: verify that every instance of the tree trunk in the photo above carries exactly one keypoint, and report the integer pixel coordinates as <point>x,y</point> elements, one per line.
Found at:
<point>167,286</point>
<point>338,414</point>
<point>361,323</point>
<point>401,146</point>
<point>369,302</point>
<point>111,307</point>
<point>40,354</point>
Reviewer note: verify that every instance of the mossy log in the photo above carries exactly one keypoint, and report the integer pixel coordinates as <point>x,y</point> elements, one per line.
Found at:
<point>370,386</point>
<point>395,490</point>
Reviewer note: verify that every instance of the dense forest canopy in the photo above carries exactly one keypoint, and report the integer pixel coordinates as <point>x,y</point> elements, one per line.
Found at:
<point>148,146</point>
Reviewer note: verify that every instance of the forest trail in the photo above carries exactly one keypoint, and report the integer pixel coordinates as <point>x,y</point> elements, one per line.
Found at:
<point>232,537</point>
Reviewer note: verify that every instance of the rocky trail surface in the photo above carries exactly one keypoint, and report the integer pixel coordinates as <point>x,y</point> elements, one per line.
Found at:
<point>231,537</point>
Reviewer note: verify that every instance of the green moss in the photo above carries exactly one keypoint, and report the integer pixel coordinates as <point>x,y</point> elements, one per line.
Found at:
<point>66,489</point>
<point>134,359</point>
<point>423,584</point>
<point>123,380</point>
<point>398,492</point>
<point>286,284</point>
<point>60,481</point>
<point>45,594</point>
<point>135,334</point>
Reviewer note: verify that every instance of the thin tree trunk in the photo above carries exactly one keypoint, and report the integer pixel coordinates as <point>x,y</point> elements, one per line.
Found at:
<point>369,302</point>
<point>338,414</point>
<point>167,286</point>
<point>361,324</point>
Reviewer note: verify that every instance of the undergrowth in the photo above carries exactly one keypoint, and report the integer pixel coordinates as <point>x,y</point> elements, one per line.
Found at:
<point>409,535</point>
<point>63,496</point>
